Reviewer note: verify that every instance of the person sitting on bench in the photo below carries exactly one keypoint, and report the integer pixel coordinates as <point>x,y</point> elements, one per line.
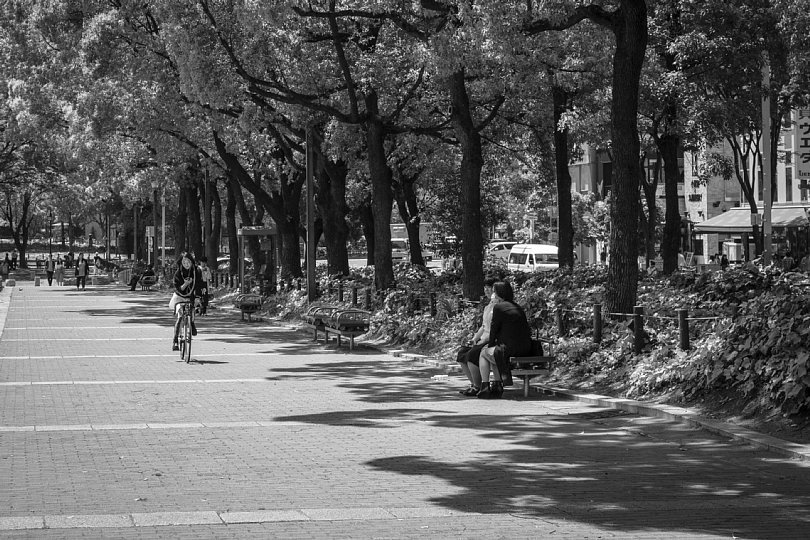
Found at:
<point>468,355</point>
<point>509,335</point>
<point>136,278</point>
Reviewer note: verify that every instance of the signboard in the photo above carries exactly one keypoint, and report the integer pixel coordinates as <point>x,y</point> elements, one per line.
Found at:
<point>150,231</point>
<point>803,144</point>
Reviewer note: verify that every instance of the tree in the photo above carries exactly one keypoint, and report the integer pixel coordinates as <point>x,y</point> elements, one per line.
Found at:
<point>628,22</point>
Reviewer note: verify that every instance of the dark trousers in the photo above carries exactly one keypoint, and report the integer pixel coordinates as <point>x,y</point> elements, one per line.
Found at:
<point>81,280</point>
<point>50,277</point>
<point>470,353</point>
<point>134,281</point>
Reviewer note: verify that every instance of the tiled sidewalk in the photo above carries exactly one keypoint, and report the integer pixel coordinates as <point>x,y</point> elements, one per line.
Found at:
<point>105,433</point>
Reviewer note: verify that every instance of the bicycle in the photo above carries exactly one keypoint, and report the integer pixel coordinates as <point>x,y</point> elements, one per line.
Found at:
<point>184,334</point>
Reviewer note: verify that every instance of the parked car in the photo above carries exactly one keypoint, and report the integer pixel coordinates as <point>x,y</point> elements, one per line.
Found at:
<point>401,251</point>
<point>499,249</point>
<point>223,264</point>
<point>533,257</point>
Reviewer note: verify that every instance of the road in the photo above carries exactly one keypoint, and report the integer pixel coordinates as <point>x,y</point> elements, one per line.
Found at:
<point>105,433</point>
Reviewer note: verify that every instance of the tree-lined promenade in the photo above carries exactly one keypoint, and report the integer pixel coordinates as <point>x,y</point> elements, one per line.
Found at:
<point>462,114</point>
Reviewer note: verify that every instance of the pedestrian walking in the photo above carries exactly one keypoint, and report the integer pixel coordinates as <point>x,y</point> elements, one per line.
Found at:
<point>50,268</point>
<point>82,269</point>
<point>804,265</point>
<point>59,272</point>
<point>14,259</point>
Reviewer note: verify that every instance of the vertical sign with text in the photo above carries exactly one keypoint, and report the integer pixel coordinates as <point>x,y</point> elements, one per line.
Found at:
<point>803,151</point>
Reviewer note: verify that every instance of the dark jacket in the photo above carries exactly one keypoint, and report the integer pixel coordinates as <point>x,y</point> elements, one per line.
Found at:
<point>510,334</point>
<point>180,276</point>
<point>510,329</point>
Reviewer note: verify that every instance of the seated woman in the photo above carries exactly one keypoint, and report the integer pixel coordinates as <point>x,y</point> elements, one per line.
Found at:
<point>187,284</point>
<point>509,335</point>
<point>467,356</point>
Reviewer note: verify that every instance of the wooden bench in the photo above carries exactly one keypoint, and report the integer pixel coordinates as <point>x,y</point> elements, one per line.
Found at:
<point>349,322</point>
<point>248,304</point>
<point>316,316</point>
<point>147,282</point>
<point>529,367</point>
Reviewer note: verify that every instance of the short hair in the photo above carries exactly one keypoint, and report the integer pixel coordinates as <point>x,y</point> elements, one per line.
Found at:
<point>504,291</point>
<point>490,281</point>
<point>204,259</point>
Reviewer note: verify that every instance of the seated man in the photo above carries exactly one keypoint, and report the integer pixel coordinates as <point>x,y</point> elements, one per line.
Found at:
<point>137,272</point>
<point>149,272</point>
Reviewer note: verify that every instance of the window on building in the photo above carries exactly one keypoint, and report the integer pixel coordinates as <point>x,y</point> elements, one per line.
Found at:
<point>607,178</point>
<point>789,184</point>
<point>695,168</point>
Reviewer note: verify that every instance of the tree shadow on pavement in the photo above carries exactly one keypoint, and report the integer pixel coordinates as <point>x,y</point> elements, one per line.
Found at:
<point>603,469</point>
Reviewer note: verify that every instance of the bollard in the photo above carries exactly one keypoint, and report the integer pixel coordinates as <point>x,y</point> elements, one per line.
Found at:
<point>368,299</point>
<point>433,303</point>
<point>340,291</point>
<point>597,323</point>
<point>230,281</point>
<point>638,328</point>
<point>298,284</point>
<point>329,288</point>
<point>560,322</point>
<point>683,327</point>
<point>354,296</point>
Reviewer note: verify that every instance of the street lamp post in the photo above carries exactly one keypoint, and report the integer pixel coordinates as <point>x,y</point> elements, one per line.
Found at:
<point>50,233</point>
<point>155,186</point>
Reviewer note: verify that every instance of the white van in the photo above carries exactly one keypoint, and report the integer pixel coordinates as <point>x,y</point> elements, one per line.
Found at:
<point>533,257</point>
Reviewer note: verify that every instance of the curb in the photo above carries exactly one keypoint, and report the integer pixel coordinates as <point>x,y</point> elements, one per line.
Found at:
<point>667,412</point>
<point>670,412</point>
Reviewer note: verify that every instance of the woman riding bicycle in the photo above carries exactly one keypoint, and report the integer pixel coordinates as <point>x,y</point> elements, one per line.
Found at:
<point>187,287</point>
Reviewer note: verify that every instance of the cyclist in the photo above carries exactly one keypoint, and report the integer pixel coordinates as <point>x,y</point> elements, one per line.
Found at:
<point>187,287</point>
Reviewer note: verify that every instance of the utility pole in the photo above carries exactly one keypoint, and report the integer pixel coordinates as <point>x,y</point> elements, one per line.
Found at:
<point>766,160</point>
<point>311,291</point>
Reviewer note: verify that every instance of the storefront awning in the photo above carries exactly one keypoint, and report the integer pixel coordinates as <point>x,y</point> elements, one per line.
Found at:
<point>738,220</point>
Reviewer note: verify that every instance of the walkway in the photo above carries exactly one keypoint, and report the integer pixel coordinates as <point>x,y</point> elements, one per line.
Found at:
<point>105,433</point>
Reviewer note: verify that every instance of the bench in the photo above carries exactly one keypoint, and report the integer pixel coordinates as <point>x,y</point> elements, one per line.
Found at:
<point>349,322</point>
<point>316,316</point>
<point>248,304</point>
<point>529,367</point>
<point>147,282</point>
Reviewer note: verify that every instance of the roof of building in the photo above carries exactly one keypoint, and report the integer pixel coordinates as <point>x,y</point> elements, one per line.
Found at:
<point>738,220</point>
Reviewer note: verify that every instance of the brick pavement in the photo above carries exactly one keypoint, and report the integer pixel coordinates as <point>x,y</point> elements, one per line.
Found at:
<point>105,433</point>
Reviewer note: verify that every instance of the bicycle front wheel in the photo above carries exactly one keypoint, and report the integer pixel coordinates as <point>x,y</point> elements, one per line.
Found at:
<point>185,351</point>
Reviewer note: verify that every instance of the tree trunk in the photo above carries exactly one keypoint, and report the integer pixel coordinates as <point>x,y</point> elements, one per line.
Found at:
<point>230,224</point>
<point>180,224</point>
<point>367,223</point>
<point>472,246</point>
<point>380,174</point>
<point>631,43</point>
<point>283,205</point>
<point>670,243</point>
<point>565,244</point>
<point>195,243</point>
<point>408,209</point>
<point>331,200</point>
<point>215,226</point>
<point>650,190</point>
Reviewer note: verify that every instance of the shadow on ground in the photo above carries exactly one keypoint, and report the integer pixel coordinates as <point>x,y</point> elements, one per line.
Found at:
<point>606,468</point>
